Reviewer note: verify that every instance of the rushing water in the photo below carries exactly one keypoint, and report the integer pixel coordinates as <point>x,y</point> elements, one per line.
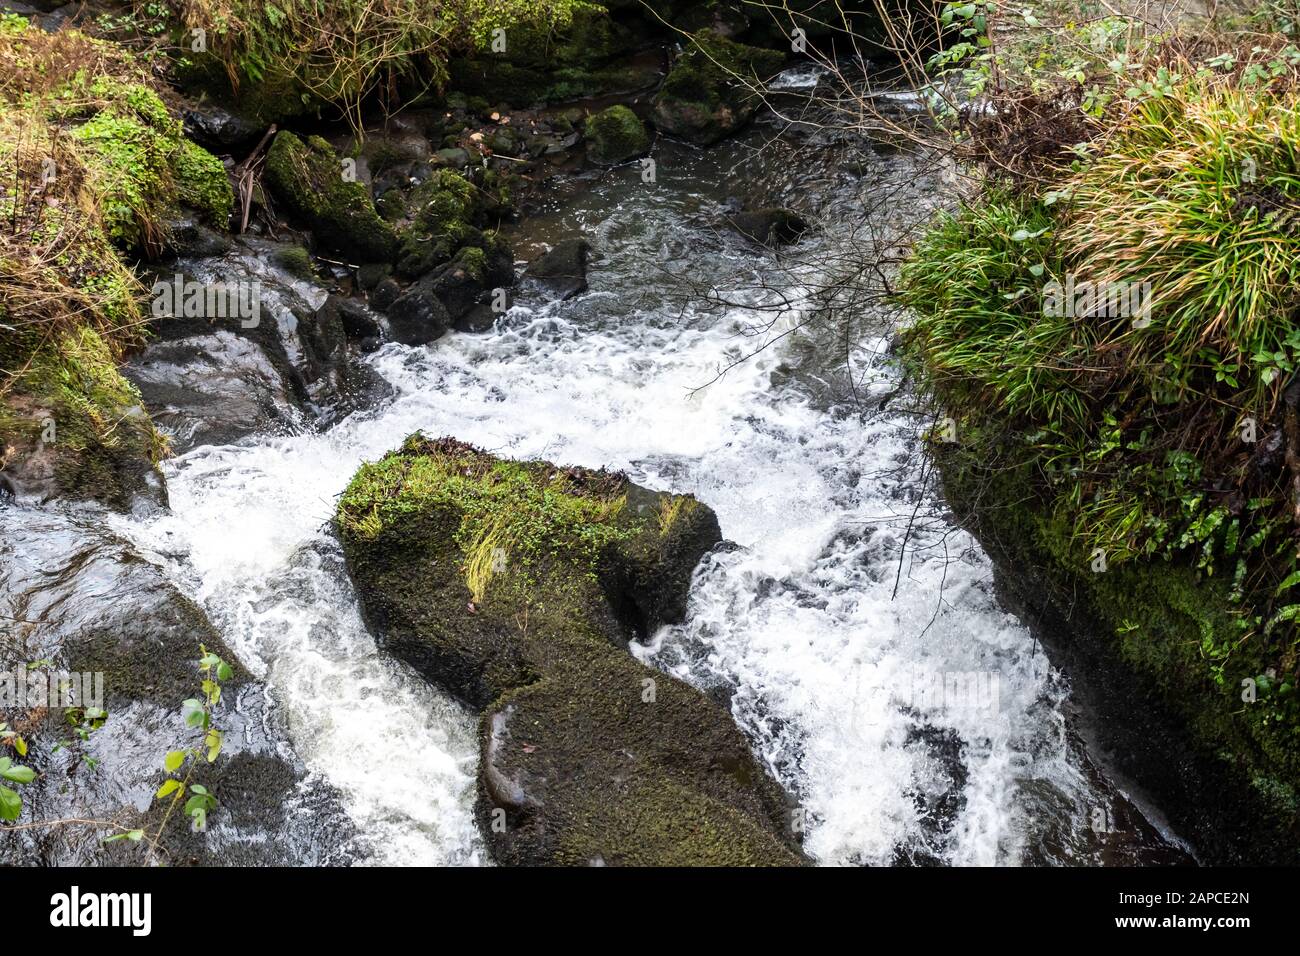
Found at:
<point>814,627</point>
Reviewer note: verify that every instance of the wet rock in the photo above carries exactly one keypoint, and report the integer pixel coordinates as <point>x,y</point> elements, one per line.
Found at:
<point>188,237</point>
<point>477,320</point>
<point>213,388</point>
<point>586,754</point>
<point>709,93</point>
<point>563,270</point>
<point>221,130</point>
<point>357,321</point>
<point>615,135</point>
<point>771,226</point>
<point>418,316</point>
<point>96,606</point>
<point>385,294</point>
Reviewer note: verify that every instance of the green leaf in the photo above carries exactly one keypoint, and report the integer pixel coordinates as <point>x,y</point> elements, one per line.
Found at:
<point>11,805</point>
<point>193,713</point>
<point>18,774</point>
<point>214,741</point>
<point>169,786</point>
<point>200,789</point>
<point>225,671</point>
<point>173,760</point>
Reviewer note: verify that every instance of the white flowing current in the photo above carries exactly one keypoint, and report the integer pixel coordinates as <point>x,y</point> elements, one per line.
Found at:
<point>800,622</point>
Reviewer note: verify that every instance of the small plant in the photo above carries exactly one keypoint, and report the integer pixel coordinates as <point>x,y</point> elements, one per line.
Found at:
<point>196,712</point>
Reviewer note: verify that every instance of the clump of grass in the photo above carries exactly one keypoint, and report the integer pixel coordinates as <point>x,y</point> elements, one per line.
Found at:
<point>1198,192</point>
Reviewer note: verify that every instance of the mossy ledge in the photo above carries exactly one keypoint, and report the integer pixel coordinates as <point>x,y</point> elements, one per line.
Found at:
<point>1129,638</point>
<point>517,586</point>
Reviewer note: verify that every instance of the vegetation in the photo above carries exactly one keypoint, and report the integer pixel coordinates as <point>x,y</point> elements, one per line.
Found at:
<point>92,166</point>
<point>1111,325</point>
<point>297,55</point>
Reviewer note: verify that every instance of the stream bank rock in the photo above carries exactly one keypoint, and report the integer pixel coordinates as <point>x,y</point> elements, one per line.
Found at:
<point>518,586</point>
<point>317,185</point>
<point>85,601</point>
<point>711,91</point>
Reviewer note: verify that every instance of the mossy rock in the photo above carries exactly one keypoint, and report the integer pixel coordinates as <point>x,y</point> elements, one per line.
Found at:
<point>1130,637</point>
<point>310,178</point>
<point>615,135</point>
<point>707,96</point>
<point>443,209</point>
<point>73,427</point>
<point>143,167</point>
<point>517,586</point>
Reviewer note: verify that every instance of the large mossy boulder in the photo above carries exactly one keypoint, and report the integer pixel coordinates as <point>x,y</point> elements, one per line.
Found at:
<point>713,89</point>
<point>615,135</point>
<point>517,586</point>
<point>310,178</point>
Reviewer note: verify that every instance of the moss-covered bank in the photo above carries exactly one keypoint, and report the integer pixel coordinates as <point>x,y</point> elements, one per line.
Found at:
<point>93,167</point>
<point>517,585</point>
<point>1131,637</point>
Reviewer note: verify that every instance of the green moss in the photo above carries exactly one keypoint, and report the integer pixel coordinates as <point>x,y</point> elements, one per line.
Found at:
<point>1172,625</point>
<point>312,179</point>
<point>202,183</point>
<point>73,404</point>
<point>443,210</point>
<point>614,135</point>
<point>295,260</point>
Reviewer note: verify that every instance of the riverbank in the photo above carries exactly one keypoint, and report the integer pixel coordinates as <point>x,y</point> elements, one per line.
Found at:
<point>1107,332</point>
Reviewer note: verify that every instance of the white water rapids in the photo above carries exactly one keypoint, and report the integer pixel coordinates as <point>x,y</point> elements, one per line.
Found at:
<point>801,621</point>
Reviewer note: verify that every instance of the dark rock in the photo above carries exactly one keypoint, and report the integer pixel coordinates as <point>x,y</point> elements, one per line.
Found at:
<point>188,237</point>
<point>221,130</point>
<point>563,270</point>
<point>418,316</point>
<point>771,226</point>
<point>385,294</point>
<point>358,322</point>
<point>587,756</point>
<point>479,319</point>
<point>457,285</point>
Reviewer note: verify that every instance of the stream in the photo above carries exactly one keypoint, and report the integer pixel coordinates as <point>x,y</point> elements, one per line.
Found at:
<point>822,626</point>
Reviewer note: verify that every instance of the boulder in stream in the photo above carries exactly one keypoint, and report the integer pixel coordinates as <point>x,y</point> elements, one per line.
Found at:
<point>518,587</point>
<point>563,270</point>
<point>770,226</point>
<point>615,135</point>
